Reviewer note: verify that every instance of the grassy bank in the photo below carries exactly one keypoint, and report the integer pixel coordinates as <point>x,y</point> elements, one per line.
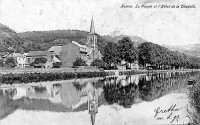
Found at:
<point>44,70</point>
<point>39,75</point>
<point>56,76</point>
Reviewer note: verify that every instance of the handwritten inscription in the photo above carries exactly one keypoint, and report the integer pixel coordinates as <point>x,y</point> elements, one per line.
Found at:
<point>171,109</point>
<point>162,6</point>
<point>169,113</point>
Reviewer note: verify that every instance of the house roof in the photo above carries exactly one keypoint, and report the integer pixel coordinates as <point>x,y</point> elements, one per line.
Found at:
<point>37,53</point>
<point>15,55</point>
<point>25,54</point>
<point>55,59</point>
<point>56,49</point>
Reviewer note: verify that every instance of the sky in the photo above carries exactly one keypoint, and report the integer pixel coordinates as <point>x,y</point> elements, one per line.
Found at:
<point>171,26</point>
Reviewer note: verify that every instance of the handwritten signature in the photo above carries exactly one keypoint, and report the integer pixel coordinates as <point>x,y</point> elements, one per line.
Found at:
<point>158,111</point>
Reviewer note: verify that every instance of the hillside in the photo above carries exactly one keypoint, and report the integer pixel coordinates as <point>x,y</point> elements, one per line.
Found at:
<point>137,40</point>
<point>192,49</point>
<point>9,38</point>
<point>48,36</point>
<point>45,39</point>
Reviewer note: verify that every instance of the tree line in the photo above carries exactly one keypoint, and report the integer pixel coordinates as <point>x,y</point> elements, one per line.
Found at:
<point>148,55</point>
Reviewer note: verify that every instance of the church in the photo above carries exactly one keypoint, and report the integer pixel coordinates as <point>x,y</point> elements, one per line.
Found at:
<point>73,50</point>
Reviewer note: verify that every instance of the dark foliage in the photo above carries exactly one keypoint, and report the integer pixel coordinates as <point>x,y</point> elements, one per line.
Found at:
<point>126,50</point>
<point>111,55</point>
<point>39,77</point>
<point>163,58</point>
<point>10,62</point>
<point>57,65</point>
<point>79,62</point>
<point>123,95</point>
<point>40,60</point>
<point>1,63</point>
<point>99,63</point>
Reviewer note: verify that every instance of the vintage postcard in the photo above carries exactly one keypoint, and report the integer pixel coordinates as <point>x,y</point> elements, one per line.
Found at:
<point>99,62</point>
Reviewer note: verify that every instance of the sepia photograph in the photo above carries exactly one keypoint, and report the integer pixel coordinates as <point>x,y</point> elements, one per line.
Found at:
<point>99,62</point>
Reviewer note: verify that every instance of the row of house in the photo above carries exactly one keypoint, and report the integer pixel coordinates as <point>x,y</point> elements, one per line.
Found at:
<point>66,54</point>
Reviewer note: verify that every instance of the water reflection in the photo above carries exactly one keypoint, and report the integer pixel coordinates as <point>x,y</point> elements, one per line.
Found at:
<point>74,95</point>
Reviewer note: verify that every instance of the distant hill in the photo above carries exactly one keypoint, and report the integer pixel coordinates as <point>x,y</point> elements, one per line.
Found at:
<point>192,49</point>
<point>43,40</point>
<point>137,40</point>
<point>46,39</point>
<point>48,36</point>
<point>9,38</point>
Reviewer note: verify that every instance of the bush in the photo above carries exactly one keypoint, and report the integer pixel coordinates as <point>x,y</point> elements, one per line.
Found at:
<point>1,63</point>
<point>99,63</point>
<point>79,62</point>
<point>39,77</point>
<point>39,60</point>
<point>10,62</point>
<point>57,65</point>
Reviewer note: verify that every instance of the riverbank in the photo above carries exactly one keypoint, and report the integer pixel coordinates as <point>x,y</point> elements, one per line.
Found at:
<point>40,75</point>
<point>81,69</point>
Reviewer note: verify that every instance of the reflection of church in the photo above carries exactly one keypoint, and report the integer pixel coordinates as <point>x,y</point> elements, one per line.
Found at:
<point>93,105</point>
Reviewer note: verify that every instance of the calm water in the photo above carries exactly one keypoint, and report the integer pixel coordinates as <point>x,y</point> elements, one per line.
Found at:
<point>138,93</point>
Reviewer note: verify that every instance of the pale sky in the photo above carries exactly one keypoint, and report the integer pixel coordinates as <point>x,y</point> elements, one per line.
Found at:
<point>174,26</point>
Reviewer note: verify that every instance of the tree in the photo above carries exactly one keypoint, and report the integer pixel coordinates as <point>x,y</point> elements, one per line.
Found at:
<point>30,46</point>
<point>1,63</point>
<point>163,58</point>
<point>57,64</point>
<point>111,55</point>
<point>10,62</point>
<point>126,50</point>
<point>39,61</point>
<point>79,62</point>
<point>99,63</point>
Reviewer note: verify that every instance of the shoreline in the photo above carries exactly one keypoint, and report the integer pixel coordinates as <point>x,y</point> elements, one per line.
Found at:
<point>55,70</point>
<point>26,76</point>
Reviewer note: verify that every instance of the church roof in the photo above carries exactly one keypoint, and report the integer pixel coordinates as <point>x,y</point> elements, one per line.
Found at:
<point>92,29</point>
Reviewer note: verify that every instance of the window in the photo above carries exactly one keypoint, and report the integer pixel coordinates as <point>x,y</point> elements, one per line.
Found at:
<point>28,60</point>
<point>91,40</point>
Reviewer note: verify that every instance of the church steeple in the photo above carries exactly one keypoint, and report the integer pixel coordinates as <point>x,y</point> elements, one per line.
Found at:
<point>92,29</point>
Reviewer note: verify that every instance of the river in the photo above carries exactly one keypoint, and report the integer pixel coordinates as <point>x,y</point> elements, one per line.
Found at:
<point>123,100</point>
